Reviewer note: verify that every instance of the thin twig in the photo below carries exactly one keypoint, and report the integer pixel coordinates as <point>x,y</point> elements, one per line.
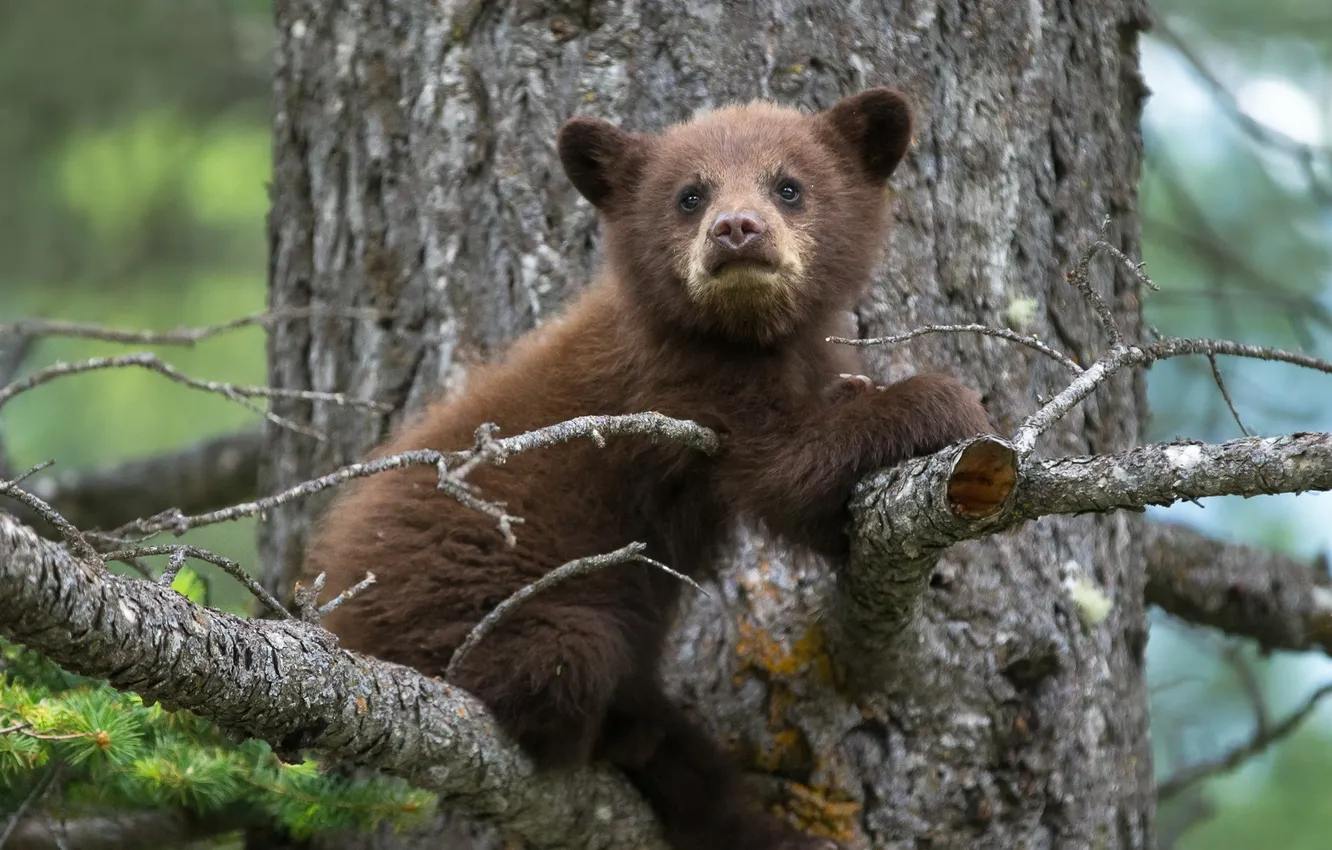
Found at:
<point>346,595</point>
<point>1121,354</point>
<point>1225,394</point>
<point>1142,355</point>
<point>1003,333</point>
<point>81,548</point>
<point>18,479</point>
<point>579,567</point>
<point>174,565</point>
<point>179,552</point>
<point>1080,277</point>
<point>188,337</point>
<point>1261,740</point>
<point>235,392</point>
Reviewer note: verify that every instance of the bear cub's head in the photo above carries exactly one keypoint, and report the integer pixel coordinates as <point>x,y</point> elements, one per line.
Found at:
<point>750,223</point>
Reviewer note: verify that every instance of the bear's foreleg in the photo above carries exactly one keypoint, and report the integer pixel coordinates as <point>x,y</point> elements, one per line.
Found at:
<point>799,478</point>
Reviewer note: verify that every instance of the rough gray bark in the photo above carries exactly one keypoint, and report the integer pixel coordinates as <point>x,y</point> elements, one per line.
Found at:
<point>415,172</point>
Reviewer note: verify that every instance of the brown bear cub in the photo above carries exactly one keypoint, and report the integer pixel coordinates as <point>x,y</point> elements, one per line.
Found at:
<point>735,243</point>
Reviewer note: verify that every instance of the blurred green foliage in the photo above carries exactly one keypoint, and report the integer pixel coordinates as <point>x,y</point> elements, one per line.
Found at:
<point>134,151</point>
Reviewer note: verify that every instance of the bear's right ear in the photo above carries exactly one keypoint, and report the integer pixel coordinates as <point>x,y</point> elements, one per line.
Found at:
<point>601,160</point>
<point>874,127</point>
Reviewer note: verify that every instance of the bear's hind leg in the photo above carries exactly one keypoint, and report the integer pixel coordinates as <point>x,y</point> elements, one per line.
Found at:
<point>547,673</point>
<point>698,794</point>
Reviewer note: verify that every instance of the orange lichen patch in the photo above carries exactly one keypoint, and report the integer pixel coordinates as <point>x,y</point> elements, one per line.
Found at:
<point>821,811</point>
<point>780,701</point>
<point>757,648</point>
<point>785,752</point>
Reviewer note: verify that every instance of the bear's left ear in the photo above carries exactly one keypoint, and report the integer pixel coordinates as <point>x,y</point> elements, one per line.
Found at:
<point>874,127</point>
<point>602,161</point>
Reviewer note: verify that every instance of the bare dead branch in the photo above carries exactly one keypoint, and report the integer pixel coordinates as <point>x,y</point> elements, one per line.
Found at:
<point>173,568</point>
<point>237,393</point>
<point>287,682</point>
<point>593,427</point>
<point>1002,333</point>
<point>305,598</point>
<point>179,552</point>
<point>1260,741</point>
<point>33,470</point>
<point>80,546</point>
<point>1281,602</point>
<point>1143,355</point>
<point>201,477</point>
<point>579,567</point>
<point>1225,394</point>
<point>1080,277</point>
<point>186,337</point>
<point>346,595</point>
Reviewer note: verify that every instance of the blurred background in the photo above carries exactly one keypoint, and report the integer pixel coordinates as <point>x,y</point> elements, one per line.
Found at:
<point>134,159</point>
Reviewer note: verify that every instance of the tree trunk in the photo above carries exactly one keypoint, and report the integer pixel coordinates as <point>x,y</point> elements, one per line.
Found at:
<point>415,172</point>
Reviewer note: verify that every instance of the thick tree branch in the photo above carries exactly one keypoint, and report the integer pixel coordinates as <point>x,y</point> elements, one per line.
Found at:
<point>1281,602</point>
<point>906,516</point>
<point>288,683</point>
<point>201,477</point>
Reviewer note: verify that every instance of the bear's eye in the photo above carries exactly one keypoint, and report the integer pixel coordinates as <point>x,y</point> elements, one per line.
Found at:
<point>689,199</point>
<point>789,191</point>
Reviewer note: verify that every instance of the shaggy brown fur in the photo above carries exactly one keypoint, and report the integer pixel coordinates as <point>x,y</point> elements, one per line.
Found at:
<point>735,244</point>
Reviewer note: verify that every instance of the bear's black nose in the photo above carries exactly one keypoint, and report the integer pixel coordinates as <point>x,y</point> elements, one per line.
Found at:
<point>737,229</point>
